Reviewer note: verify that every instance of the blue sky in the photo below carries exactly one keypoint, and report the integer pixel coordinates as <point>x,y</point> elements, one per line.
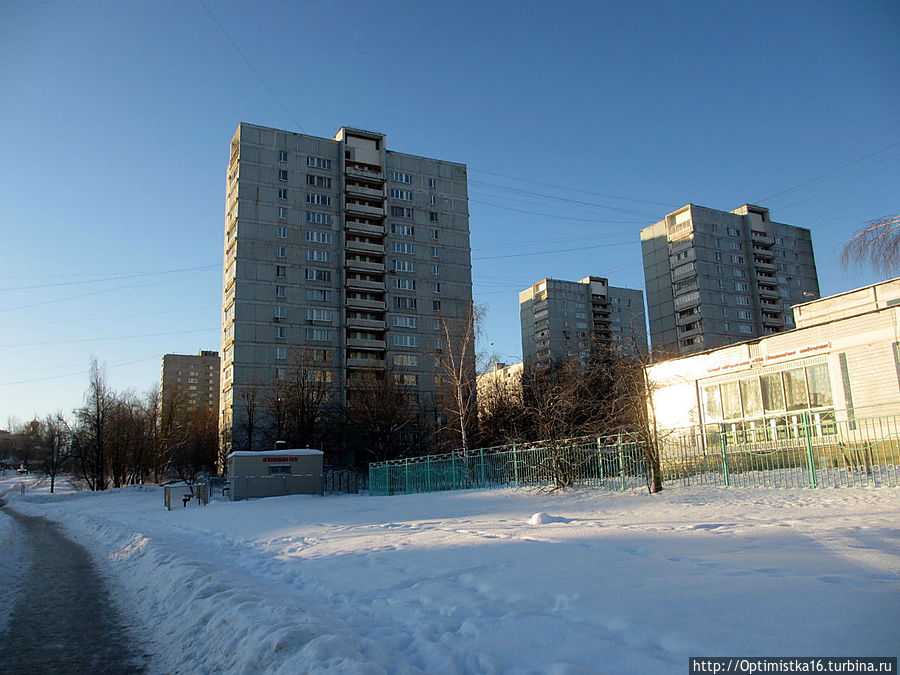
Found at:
<point>116,120</point>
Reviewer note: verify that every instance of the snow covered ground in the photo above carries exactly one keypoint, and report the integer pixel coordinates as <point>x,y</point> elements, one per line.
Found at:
<point>506,581</point>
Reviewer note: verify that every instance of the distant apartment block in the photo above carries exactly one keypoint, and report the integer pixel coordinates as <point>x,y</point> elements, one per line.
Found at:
<point>714,277</point>
<point>345,252</point>
<point>501,377</point>
<point>562,320</point>
<point>190,382</point>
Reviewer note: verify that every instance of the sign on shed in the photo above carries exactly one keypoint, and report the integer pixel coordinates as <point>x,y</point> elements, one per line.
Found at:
<point>272,473</point>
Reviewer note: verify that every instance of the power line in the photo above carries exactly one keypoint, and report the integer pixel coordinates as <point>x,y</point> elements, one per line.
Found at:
<point>107,339</point>
<point>550,215</point>
<point>560,250</point>
<point>544,196</point>
<point>83,372</point>
<point>113,278</point>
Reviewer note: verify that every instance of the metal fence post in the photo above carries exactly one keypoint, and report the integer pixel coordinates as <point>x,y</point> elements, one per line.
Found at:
<point>406,473</point>
<point>428,473</point>
<point>453,468</point>
<point>515,465</point>
<point>599,459</point>
<point>723,445</point>
<point>481,453</point>
<point>621,460</point>
<point>810,457</point>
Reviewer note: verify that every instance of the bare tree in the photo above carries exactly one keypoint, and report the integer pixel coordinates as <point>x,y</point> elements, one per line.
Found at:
<point>250,406</point>
<point>877,242</point>
<point>455,367</point>
<point>90,440</point>
<point>55,436</point>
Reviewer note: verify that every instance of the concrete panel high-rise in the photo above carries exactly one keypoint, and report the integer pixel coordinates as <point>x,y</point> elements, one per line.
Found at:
<point>190,383</point>
<point>344,251</point>
<point>562,320</point>
<point>714,277</point>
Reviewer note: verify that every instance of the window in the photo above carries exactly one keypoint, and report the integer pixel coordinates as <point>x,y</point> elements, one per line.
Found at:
<point>282,156</point>
<point>406,360</point>
<point>318,295</point>
<point>318,275</point>
<point>738,273</point>
<point>436,305</point>
<point>318,218</point>
<point>737,259</point>
<point>318,163</point>
<point>744,314</point>
<point>434,252</point>
<point>321,200</point>
<point>404,322</point>
<point>280,332</point>
<point>405,303</point>
<point>404,266</point>
<point>282,212</point>
<point>436,270</point>
<point>435,287</point>
<point>733,232</point>
<point>318,315</point>
<point>433,233</point>
<point>405,195</point>
<point>280,353</point>
<point>318,256</point>
<point>432,216</point>
<point>718,255</point>
<point>403,247</point>
<point>432,200</point>
<point>279,469</point>
<point>280,271</point>
<point>405,230</point>
<point>282,174</point>
<point>401,340</point>
<point>745,329</point>
<point>318,334</point>
<point>405,284</point>
<point>281,252</point>
<point>282,193</point>
<point>741,286</point>
<point>282,233</point>
<point>398,177</point>
<point>318,181</point>
<point>401,212</point>
<point>735,245</point>
<point>432,182</point>
<point>407,380</point>
<point>279,291</point>
<point>742,300</point>
<point>319,237</point>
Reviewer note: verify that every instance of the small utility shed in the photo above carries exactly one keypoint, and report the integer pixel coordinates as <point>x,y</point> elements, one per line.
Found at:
<point>273,473</point>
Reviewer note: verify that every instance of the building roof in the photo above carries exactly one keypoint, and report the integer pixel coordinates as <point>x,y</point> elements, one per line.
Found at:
<point>275,453</point>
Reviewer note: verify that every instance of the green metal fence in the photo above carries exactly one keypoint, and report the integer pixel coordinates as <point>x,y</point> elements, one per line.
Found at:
<point>800,450</point>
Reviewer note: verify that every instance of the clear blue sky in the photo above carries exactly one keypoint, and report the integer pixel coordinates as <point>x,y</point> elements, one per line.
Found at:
<point>116,119</point>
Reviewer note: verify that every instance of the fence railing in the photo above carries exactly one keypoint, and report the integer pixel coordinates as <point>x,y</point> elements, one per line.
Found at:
<point>801,450</point>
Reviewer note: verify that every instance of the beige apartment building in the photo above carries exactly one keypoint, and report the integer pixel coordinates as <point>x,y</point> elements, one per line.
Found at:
<point>345,254</point>
<point>718,277</point>
<point>190,382</point>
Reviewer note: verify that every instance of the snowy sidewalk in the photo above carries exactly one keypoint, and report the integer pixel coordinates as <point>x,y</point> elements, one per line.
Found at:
<point>463,582</point>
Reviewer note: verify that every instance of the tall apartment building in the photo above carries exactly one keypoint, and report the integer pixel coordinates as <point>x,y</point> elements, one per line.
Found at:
<point>190,382</point>
<point>562,320</point>
<point>344,251</point>
<point>714,277</point>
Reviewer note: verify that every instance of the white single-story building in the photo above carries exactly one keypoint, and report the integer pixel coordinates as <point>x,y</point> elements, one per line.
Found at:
<point>273,473</point>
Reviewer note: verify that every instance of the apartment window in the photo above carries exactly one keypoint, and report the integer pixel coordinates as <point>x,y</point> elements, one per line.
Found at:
<point>282,174</point>
<point>318,163</point>
<point>399,177</point>
<point>406,379</point>
<point>318,334</point>
<point>318,256</point>
<point>318,295</point>
<point>318,181</point>
<point>745,329</point>
<point>320,200</point>
<point>737,259</point>
<point>280,353</point>
<point>280,312</point>
<point>282,212</point>
<point>733,232</point>
<point>742,300</point>
<point>436,270</point>
<point>318,315</point>
<point>280,332</point>
<point>318,275</point>
<point>720,270</point>
<point>432,216</point>
<point>282,156</point>
<point>318,237</point>
<point>405,284</point>
<point>779,241</point>
<point>405,230</point>
<point>741,286</point>
<point>713,228</point>
<point>401,212</point>
<point>282,193</point>
<point>436,324</point>
<point>433,233</point>
<point>432,200</point>
<point>403,247</point>
<point>718,255</point>
<point>282,233</point>
<point>404,322</point>
<point>405,195</point>
<point>406,360</point>
<point>738,273</point>
<point>724,298</point>
<point>281,252</point>
<point>434,252</point>
<point>735,245</point>
<point>401,340</point>
<point>404,266</point>
<point>721,284</point>
<point>436,305</point>
<point>318,218</point>
<point>405,303</point>
<point>279,291</point>
<point>432,182</point>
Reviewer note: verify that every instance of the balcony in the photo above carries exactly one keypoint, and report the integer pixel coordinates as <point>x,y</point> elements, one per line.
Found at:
<point>364,247</point>
<point>364,285</point>
<point>761,238</point>
<point>371,345</point>
<point>759,252</point>
<point>763,265</point>
<point>683,272</point>
<point>364,228</point>
<point>772,319</point>
<point>366,364</point>
<point>363,191</point>
<point>366,324</point>
<point>688,318</point>
<point>768,292</point>
<point>362,266</point>
<point>352,206</point>
<point>366,174</point>
<point>355,303</point>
